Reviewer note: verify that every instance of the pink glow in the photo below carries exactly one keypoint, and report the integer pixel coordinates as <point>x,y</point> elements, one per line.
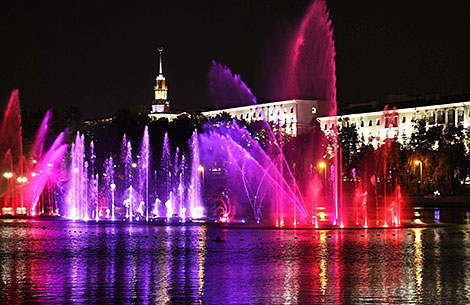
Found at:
<point>30,172</point>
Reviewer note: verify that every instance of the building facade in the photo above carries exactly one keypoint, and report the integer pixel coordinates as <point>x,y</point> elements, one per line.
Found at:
<point>294,116</point>
<point>399,123</point>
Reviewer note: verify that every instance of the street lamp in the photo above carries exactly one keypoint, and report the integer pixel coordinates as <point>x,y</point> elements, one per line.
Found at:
<point>418,162</point>
<point>22,180</point>
<point>113,188</point>
<point>322,165</point>
<point>201,170</point>
<point>8,176</point>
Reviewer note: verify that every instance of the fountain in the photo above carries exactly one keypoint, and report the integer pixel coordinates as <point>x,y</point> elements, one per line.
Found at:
<point>278,187</point>
<point>265,177</point>
<point>125,190</point>
<point>26,176</point>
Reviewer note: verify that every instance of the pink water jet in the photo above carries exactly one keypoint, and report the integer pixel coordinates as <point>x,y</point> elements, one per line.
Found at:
<point>26,176</point>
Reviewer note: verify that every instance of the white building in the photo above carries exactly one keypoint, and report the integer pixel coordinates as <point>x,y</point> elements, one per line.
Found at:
<point>370,125</point>
<point>295,116</point>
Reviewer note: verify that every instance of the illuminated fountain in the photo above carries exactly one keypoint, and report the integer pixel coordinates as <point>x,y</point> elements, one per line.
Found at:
<point>269,178</point>
<point>125,190</point>
<point>275,186</point>
<point>25,176</point>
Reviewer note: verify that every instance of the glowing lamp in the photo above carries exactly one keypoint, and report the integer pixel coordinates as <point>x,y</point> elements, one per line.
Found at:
<point>134,165</point>
<point>112,186</point>
<point>322,216</point>
<point>33,174</point>
<point>22,179</point>
<point>35,161</point>
<point>200,168</point>
<point>7,175</point>
<point>417,162</point>
<point>322,164</point>
<point>75,170</point>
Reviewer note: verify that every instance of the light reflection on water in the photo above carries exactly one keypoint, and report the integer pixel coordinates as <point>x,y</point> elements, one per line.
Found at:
<point>121,263</point>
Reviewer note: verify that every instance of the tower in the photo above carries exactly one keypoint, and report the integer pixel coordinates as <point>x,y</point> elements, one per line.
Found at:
<point>160,103</point>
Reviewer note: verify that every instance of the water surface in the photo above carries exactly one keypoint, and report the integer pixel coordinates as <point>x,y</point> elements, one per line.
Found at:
<point>76,262</point>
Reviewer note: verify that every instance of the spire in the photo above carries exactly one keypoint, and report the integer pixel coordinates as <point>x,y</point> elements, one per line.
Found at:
<point>161,102</point>
<point>160,69</point>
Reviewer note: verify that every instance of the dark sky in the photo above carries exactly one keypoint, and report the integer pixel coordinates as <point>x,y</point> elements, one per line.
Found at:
<point>102,56</point>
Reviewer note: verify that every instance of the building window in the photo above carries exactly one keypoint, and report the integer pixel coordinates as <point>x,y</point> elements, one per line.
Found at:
<point>362,123</point>
<point>440,117</point>
<point>432,119</point>
<point>291,109</point>
<point>326,126</point>
<point>460,117</point>
<point>332,126</point>
<point>370,123</point>
<point>395,121</point>
<point>378,122</point>
<point>451,117</point>
<point>403,120</point>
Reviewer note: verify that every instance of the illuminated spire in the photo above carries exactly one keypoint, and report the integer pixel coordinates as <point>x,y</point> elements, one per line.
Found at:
<point>160,68</point>
<point>161,102</point>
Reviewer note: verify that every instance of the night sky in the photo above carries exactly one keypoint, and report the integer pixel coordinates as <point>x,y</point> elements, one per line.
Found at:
<point>102,56</point>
